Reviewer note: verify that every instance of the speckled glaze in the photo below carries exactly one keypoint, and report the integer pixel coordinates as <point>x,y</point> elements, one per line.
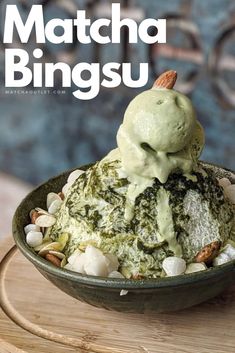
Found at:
<point>149,295</point>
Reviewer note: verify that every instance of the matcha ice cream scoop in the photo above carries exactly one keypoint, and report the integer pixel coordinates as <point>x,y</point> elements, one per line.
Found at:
<point>160,134</point>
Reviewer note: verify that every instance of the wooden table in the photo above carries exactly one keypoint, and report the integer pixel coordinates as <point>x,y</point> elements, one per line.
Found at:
<point>206,328</point>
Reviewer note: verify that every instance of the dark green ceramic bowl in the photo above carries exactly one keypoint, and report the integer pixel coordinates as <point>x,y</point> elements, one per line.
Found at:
<point>148,295</point>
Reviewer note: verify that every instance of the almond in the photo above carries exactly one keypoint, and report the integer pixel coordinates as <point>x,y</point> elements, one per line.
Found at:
<point>166,80</point>
<point>33,216</point>
<point>208,252</point>
<point>45,221</point>
<point>137,276</point>
<point>61,195</point>
<point>53,259</point>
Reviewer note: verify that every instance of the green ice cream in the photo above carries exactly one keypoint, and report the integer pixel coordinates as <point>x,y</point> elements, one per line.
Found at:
<point>159,134</point>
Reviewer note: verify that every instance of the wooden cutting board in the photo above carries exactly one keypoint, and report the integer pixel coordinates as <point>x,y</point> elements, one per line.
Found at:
<point>206,328</point>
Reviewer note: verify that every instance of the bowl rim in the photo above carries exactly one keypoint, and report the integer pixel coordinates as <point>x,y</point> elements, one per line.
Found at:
<point>107,282</point>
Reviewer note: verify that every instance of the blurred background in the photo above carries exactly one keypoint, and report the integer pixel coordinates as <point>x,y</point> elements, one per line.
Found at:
<point>44,134</point>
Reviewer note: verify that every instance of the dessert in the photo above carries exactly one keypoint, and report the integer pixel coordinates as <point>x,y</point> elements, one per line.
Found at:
<point>149,208</point>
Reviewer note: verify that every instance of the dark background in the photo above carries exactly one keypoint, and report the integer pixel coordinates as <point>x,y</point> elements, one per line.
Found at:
<point>42,135</point>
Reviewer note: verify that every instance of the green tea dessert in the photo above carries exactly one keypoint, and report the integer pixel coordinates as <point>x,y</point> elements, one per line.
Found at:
<point>150,201</point>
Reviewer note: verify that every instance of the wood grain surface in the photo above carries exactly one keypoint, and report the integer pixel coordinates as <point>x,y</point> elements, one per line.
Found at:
<point>9,348</point>
<point>205,328</point>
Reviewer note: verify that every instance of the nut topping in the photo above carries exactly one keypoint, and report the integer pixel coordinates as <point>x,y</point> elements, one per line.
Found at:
<point>166,80</point>
<point>61,195</point>
<point>53,259</point>
<point>33,216</point>
<point>208,252</point>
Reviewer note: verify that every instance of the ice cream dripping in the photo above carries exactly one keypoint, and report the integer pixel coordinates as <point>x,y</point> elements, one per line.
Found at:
<point>160,134</point>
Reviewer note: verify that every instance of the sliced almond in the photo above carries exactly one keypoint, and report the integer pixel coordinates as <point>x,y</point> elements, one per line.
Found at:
<point>208,252</point>
<point>74,175</point>
<point>41,211</point>
<point>45,221</point>
<point>42,246</point>
<point>53,259</point>
<point>51,197</point>
<point>55,246</point>
<point>166,80</point>
<point>58,254</point>
<point>195,267</point>
<point>54,206</point>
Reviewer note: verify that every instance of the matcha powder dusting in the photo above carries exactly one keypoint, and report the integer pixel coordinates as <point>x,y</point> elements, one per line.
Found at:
<point>175,218</point>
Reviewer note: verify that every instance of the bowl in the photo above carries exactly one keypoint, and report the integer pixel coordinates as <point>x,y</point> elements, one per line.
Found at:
<point>140,296</point>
